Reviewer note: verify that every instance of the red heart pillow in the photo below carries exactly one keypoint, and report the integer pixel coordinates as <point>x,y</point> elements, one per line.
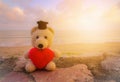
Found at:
<point>41,58</point>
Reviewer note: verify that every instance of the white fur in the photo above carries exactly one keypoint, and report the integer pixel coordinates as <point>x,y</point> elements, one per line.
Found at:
<point>41,40</point>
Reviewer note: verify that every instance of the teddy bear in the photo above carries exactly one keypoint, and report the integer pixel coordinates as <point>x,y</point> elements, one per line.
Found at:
<point>40,56</point>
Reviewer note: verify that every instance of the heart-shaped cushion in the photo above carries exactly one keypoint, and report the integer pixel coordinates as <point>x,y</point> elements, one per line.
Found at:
<point>41,57</point>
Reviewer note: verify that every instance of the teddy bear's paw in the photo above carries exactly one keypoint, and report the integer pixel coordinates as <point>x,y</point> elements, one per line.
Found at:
<point>57,53</point>
<point>50,66</point>
<point>30,67</point>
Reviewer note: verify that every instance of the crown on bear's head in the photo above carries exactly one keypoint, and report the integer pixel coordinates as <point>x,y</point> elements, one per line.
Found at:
<point>42,24</point>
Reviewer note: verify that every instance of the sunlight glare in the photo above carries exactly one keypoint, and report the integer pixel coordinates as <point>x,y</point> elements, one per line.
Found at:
<point>91,27</point>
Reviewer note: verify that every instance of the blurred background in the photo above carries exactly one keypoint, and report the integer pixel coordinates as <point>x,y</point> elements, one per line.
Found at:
<point>87,32</point>
<point>74,21</point>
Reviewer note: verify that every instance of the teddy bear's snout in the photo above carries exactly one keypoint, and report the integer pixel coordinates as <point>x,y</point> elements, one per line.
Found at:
<point>41,43</point>
<point>40,46</point>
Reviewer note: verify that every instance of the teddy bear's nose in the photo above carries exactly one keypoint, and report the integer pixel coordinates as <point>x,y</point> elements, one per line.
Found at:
<point>40,45</point>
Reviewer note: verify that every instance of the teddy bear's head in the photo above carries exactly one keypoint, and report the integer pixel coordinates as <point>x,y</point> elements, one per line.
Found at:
<point>42,36</point>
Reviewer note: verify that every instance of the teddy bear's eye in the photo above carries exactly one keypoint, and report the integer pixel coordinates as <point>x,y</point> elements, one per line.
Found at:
<point>37,37</point>
<point>45,37</point>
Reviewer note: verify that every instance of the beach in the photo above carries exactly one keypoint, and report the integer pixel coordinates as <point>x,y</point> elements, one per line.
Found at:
<point>100,58</point>
<point>12,51</point>
<point>67,49</point>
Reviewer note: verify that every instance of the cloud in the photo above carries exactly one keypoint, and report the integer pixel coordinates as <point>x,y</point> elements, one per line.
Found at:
<point>14,14</point>
<point>15,17</point>
<point>91,17</point>
<point>80,12</point>
<point>24,15</point>
<point>70,5</point>
<point>11,17</point>
<point>10,13</point>
<point>18,10</point>
<point>83,18</point>
<point>68,14</point>
<point>112,16</point>
<point>22,3</point>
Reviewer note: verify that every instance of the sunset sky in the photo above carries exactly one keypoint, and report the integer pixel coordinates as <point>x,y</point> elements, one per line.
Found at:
<point>91,20</point>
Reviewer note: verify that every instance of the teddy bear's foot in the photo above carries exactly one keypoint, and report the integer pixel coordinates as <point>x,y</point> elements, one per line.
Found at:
<point>30,67</point>
<point>50,66</point>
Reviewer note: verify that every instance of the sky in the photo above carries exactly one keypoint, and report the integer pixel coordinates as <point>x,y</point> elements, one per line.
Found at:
<point>91,20</point>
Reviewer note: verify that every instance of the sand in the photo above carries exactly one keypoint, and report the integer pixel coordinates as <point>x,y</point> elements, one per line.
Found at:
<point>67,49</point>
<point>13,51</point>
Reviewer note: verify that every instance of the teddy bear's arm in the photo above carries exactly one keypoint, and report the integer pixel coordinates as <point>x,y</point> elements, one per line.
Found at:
<point>57,53</point>
<point>26,55</point>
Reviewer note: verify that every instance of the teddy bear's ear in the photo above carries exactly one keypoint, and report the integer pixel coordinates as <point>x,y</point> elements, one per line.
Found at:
<point>51,30</point>
<point>33,30</point>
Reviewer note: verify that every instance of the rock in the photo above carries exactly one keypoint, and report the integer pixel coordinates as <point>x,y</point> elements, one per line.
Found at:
<point>16,77</point>
<point>112,67</point>
<point>20,64</point>
<point>93,62</point>
<point>1,60</point>
<point>111,63</point>
<point>77,73</point>
<point>105,81</point>
<point>111,81</point>
<point>6,65</point>
<point>88,59</point>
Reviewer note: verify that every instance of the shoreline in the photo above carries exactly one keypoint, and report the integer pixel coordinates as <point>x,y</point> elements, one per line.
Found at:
<point>13,51</point>
<point>65,49</point>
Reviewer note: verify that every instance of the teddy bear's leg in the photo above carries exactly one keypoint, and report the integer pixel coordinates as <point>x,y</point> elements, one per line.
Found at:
<point>50,66</point>
<point>30,67</point>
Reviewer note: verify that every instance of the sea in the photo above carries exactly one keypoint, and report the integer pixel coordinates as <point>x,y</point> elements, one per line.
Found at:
<point>23,38</point>
<point>15,37</point>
